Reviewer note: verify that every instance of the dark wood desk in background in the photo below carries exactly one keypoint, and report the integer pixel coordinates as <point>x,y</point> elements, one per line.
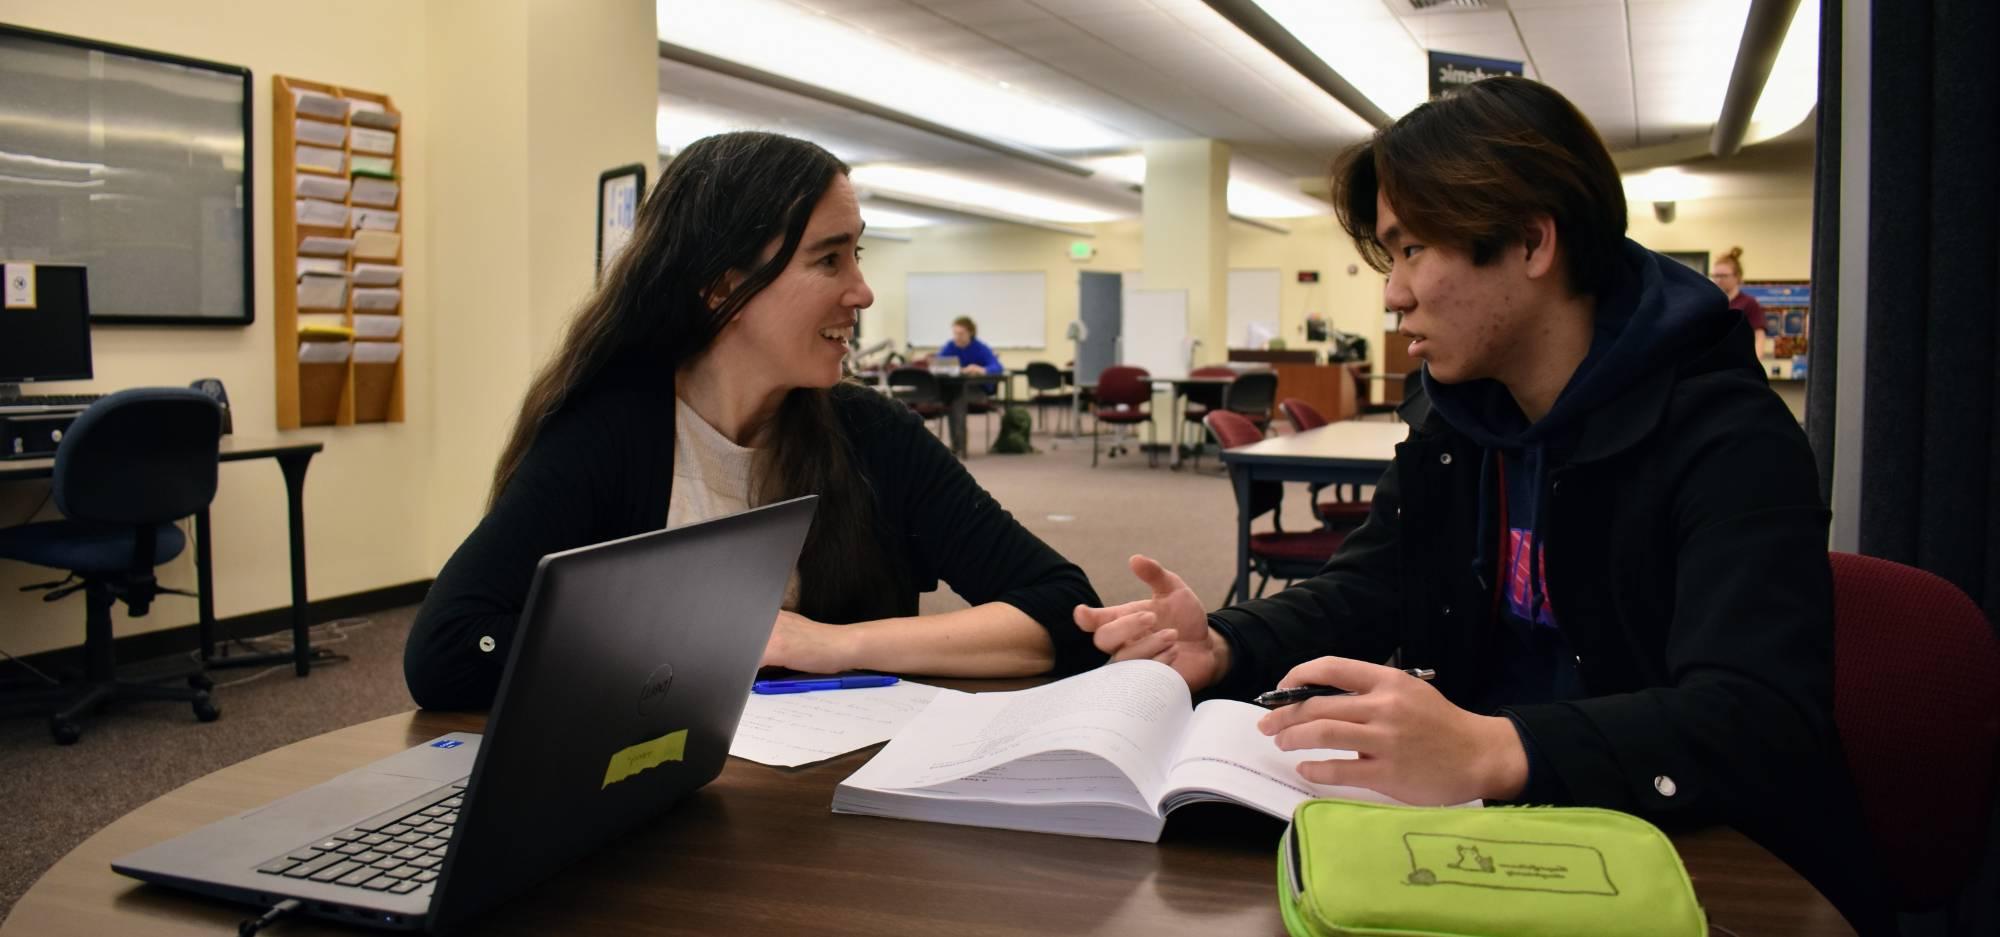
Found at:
<point>292,458</point>
<point>759,852</point>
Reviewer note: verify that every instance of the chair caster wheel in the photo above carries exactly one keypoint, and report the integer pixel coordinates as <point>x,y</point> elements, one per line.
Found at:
<point>204,710</point>
<point>200,681</point>
<point>64,731</point>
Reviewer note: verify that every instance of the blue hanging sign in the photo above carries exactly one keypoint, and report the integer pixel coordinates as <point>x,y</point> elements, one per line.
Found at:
<point>1451,71</point>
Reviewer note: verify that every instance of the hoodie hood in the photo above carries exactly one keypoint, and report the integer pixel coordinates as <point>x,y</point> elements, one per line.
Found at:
<point>1655,314</point>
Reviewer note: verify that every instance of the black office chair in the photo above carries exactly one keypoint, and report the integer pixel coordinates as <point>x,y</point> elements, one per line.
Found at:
<point>918,389</point>
<point>1046,381</point>
<point>130,466</point>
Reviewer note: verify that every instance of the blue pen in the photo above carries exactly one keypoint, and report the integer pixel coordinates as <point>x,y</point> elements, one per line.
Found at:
<point>768,687</point>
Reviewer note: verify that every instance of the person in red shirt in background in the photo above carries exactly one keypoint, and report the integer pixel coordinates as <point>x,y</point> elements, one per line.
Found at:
<point>1727,273</point>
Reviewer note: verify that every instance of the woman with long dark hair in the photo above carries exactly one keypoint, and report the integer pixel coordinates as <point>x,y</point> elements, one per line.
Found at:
<point>704,376</point>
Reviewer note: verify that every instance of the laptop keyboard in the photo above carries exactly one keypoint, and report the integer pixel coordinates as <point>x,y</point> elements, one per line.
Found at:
<point>398,851</point>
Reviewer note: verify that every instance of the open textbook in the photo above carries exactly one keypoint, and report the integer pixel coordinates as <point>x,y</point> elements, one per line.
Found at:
<point>1107,753</point>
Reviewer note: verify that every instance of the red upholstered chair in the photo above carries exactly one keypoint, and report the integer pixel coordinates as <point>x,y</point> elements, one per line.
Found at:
<point>1916,698</point>
<point>1336,513</point>
<point>1124,397</point>
<point>1276,555</point>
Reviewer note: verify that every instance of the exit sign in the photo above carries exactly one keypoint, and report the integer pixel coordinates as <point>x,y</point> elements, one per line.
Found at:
<point>1309,276</point>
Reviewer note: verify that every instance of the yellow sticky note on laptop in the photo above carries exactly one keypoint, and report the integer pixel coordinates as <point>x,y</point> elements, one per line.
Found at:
<point>650,754</point>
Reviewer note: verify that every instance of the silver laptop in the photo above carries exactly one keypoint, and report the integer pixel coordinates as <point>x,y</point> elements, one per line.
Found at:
<point>621,694</point>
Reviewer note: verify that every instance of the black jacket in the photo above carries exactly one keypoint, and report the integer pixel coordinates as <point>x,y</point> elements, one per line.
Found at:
<point>602,468</point>
<point>1700,609</point>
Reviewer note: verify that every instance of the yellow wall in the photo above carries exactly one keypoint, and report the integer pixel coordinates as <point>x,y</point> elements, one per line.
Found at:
<point>1775,233</point>
<point>384,503</point>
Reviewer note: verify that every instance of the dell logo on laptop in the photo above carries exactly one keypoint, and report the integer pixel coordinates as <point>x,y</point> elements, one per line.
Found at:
<point>654,689</point>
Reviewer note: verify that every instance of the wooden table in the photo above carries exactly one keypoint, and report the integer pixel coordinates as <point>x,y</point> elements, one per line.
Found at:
<point>759,852</point>
<point>1350,452</point>
<point>292,457</point>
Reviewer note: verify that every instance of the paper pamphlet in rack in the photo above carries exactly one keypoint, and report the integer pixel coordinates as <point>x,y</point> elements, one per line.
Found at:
<point>377,274</point>
<point>312,211</point>
<point>369,140</point>
<point>377,298</point>
<point>320,158</point>
<point>332,188</point>
<point>371,114</point>
<point>377,327</point>
<point>319,132</point>
<point>324,352</point>
<point>318,104</point>
<point>319,291</point>
<point>322,323</point>
<point>375,219</point>
<point>377,352</point>
<point>377,245</point>
<point>380,166</point>
<point>377,193</point>
<point>326,246</point>
<point>329,266</point>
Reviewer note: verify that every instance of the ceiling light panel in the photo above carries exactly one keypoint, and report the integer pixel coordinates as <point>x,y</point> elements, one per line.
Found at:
<point>1362,41</point>
<point>795,41</point>
<point>1250,198</point>
<point>934,186</point>
<point>1683,52</point>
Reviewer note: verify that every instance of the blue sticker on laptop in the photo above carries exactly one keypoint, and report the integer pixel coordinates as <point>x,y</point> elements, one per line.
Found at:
<point>447,743</point>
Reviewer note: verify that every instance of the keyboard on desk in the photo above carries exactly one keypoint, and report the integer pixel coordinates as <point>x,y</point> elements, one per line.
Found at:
<point>55,401</point>
<point>397,851</point>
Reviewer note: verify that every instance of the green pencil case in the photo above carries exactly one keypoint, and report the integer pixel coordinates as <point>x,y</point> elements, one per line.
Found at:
<point>1348,869</point>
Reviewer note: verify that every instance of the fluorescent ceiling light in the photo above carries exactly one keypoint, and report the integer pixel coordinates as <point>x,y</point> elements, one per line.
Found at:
<point>809,46</point>
<point>933,186</point>
<point>1365,43</point>
<point>1794,85</point>
<point>1666,184</point>
<point>877,217</point>
<point>1682,56</point>
<point>1246,199</point>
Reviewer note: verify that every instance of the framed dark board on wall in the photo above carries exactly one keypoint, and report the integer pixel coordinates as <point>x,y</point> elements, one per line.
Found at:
<point>134,164</point>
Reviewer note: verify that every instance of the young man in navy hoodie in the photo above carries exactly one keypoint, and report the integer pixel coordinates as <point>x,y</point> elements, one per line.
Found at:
<point>1614,619</point>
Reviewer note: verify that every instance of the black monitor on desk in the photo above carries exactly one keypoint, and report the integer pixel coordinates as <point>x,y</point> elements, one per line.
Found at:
<point>50,339</point>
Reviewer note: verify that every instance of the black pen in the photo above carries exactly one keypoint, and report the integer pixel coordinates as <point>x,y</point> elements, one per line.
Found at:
<point>1290,695</point>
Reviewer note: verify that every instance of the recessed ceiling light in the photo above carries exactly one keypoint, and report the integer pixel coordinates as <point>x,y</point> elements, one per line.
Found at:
<point>935,186</point>
<point>781,38</point>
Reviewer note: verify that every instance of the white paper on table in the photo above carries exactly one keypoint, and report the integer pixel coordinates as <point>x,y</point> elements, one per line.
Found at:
<point>793,729</point>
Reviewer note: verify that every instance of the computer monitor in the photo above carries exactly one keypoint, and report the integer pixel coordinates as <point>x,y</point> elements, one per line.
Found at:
<point>50,340</point>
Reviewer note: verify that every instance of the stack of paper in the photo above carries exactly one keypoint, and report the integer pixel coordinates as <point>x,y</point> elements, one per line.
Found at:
<point>318,104</point>
<point>380,166</point>
<point>312,211</point>
<point>800,728</point>
<point>324,352</point>
<point>378,299</point>
<point>375,219</point>
<point>377,352</point>
<point>319,291</point>
<point>377,275</point>
<point>367,140</point>
<point>319,132</point>
<point>380,193</point>
<point>377,245</point>
<point>322,323</point>
<point>326,246</point>
<point>330,266</point>
<point>319,157</point>
<point>377,328</point>
<point>371,114</point>
<point>331,188</point>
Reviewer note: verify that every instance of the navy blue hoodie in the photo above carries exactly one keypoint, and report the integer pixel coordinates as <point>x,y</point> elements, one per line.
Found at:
<point>1656,313</point>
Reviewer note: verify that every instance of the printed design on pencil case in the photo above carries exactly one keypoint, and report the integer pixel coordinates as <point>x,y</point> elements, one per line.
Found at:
<point>1508,865</point>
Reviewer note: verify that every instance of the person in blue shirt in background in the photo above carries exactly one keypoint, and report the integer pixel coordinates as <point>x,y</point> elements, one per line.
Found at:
<point>974,356</point>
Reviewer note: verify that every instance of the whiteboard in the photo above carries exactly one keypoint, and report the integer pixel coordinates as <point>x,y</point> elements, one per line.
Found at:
<point>1011,308</point>
<point>1253,298</point>
<point>1154,332</point>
